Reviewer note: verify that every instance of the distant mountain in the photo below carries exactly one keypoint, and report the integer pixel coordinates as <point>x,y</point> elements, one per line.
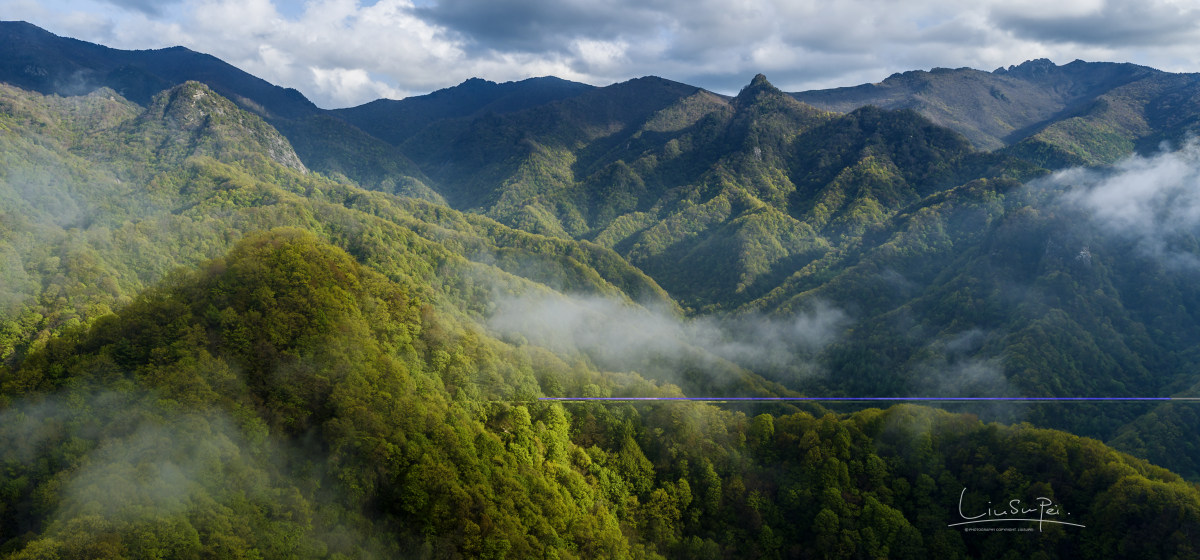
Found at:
<point>680,180</point>
<point>41,61</point>
<point>1082,112</point>
<point>396,121</point>
<point>473,160</point>
<point>38,60</point>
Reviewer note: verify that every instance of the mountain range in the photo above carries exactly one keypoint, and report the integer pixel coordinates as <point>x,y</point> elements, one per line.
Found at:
<point>234,322</point>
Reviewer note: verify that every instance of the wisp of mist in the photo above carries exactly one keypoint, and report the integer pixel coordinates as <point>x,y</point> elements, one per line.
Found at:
<point>621,336</point>
<point>1153,199</point>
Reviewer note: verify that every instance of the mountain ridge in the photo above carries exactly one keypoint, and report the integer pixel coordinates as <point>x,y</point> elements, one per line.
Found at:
<point>1041,111</point>
<point>1000,108</point>
<point>397,120</point>
<point>136,75</point>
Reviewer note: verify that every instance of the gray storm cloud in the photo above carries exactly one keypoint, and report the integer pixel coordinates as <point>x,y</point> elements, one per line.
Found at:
<point>621,336</point>
<point>1106,23</point>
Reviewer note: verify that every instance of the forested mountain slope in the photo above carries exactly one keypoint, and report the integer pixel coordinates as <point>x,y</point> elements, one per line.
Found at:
<point>678,179</point>
<point>103,197</point>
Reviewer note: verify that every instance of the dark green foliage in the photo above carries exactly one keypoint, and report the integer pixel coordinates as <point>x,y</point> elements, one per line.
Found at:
<point>81,242</point>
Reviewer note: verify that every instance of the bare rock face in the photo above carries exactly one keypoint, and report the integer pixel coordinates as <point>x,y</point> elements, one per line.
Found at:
<point>211,124</point>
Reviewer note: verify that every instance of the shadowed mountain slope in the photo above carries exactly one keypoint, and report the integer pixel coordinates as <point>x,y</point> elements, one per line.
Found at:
<point>397,120</point>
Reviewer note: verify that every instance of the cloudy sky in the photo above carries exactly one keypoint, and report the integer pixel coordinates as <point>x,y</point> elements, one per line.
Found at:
<point>345,52</point>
